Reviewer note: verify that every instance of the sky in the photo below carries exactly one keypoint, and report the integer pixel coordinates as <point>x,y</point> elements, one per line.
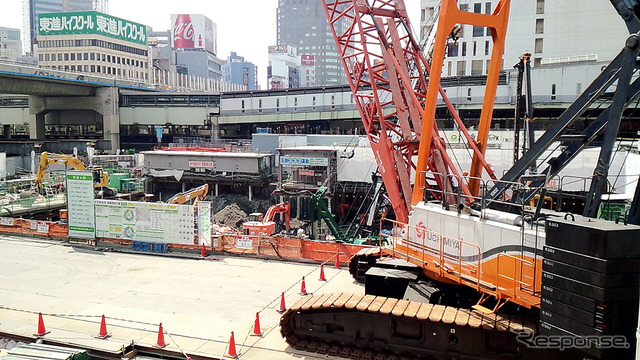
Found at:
<point>247,27</point>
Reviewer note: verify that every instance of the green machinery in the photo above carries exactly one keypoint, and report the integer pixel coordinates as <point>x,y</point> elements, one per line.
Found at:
<point>321,213</point>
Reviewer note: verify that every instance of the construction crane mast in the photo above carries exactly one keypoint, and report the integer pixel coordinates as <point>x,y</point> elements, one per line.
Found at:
<point>388,76</point>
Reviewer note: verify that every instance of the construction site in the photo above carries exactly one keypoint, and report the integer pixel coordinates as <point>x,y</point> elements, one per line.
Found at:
<point>396,244</point>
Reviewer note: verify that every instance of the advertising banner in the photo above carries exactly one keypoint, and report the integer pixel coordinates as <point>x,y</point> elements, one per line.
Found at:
<point>204,223</point>
<point>80,205</point>
<point>193,31</point>
<point>91,22</point>
<point>303,161</point>
<point>307,60</point>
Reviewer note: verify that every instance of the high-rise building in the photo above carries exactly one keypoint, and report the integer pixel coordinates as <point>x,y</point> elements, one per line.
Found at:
<point>303,24</point>
<point>238,71</point>
<point>10,45</point>
<point>32,8</point>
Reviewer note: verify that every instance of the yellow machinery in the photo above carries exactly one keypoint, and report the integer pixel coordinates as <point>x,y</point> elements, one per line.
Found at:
<point>198,193</point>
<point>100,177</point>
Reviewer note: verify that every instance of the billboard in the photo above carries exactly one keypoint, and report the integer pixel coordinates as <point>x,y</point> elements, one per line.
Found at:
<point>307,60</point>
<point>283,49</point>
<point>91,22</point>
<point>193,31</point>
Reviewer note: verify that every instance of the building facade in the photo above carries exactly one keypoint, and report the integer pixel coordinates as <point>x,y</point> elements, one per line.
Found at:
<point>33,8</point>
<point>283,67</point>
<point>566,32</point>
<point>93,42</point>
<point>238,71</point>
<point>303,24</point>
<point>194,38</point>
<point>10,44</point>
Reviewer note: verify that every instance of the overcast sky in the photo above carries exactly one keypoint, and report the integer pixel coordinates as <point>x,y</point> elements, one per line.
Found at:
<point>247,27</point>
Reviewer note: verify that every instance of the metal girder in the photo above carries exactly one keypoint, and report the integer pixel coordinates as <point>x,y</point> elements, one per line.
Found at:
<point>606,78</point>
<point>620,69</point>
<point>451,16</point>
<point>599,180</point>
<point>386,68</point>
<point>572,148</point>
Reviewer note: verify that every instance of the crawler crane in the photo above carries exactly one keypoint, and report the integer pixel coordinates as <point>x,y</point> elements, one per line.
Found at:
<point>496,278</point>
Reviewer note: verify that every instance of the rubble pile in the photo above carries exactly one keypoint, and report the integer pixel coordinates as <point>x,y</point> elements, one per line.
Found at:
<point>242,201</point>
<point>231,216</point>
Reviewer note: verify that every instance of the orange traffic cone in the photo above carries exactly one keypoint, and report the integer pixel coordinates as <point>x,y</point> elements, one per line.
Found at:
<point>231,352</point>
<point>103,334</point>
<point>203,251</point>
<point>303,288</point>
<point>283,308</point>
<point>256,326</point>
<point>160,343</point>
<point>322,278</point>
<point>41,330</point>
<point>337,264</point>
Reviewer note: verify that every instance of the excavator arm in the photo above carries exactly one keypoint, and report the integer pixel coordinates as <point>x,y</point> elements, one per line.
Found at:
<point>199,193</point>
<point>100,177</point>
<point>47,159</point>
<point>284,208</point>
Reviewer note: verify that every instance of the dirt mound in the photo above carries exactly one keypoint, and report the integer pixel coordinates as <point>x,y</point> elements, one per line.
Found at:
<point>242,201</point>
<point>231,216</point>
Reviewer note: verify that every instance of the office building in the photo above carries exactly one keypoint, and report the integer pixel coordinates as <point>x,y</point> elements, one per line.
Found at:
<point>238,71</point>
<point>555,32</point>
<point>33,8</point>
<point>303,24</point>
<point>93,42</point>
<point>283,67</point>
<point>10,44</point>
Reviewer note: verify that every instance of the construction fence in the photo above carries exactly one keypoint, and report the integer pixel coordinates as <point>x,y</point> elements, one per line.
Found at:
<point>277,247</point>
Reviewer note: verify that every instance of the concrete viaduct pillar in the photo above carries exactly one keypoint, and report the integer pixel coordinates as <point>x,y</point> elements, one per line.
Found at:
<point>104,101</point>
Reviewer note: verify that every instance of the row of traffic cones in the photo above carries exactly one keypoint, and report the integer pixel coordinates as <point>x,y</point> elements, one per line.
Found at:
<point>102,334</point>
<point>231,351</point>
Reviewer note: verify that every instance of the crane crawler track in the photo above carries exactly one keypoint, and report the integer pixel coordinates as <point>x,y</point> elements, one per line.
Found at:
<point>372,327</point>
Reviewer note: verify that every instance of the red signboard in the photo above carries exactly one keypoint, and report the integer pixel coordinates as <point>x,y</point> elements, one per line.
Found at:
<point>193,31</point>
<point>307,60</point>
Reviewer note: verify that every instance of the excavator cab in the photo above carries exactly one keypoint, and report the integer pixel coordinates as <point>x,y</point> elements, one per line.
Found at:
<point>256,216</point>
<point>264,225</point>
<point>97,176</point>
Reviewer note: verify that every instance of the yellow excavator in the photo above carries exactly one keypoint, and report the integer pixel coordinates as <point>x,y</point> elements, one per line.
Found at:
<point>198,194</point>
<point>100,177</point>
